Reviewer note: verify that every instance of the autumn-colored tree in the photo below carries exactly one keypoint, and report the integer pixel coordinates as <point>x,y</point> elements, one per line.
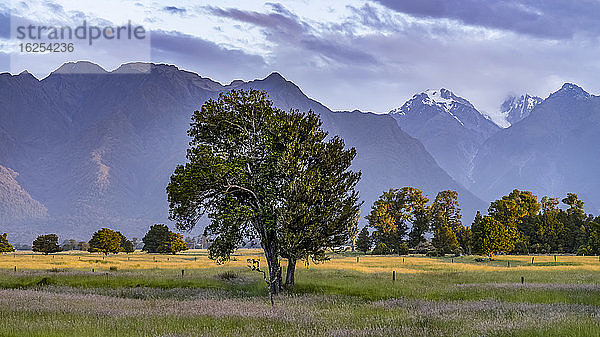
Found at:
<point>5,246</point>
<point>106,241</point>
<point>491,236</point>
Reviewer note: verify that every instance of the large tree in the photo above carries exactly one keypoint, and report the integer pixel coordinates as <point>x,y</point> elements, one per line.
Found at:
<point>260,172</point>
<point>445,221</point>
<point>46,244</point>
<point>394,211</point>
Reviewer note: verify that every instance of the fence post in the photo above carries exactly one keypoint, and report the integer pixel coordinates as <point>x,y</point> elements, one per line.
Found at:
<point>357,259</point>
<point>522,279</point>
<point>394,276</point>
<point>554,258</point>
<point>508,264</point>
<point>182,272</point>
<point>532,258</point>
<point>15,268</point>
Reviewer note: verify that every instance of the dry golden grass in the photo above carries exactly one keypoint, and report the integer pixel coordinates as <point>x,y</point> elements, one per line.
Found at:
<point>198,259</point>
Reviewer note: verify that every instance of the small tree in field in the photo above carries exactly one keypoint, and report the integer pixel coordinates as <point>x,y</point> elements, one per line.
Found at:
<point>363,242</point>
<point>106,241</point>
<point>46,244</point>
<point>4,245</point>
<point>160,239</point>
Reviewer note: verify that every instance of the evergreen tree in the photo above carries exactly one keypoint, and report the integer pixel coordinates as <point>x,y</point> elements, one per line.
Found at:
<point>5,246</point>
<point>363,242</point>
<point>46,244</point>
<point>464,236</point>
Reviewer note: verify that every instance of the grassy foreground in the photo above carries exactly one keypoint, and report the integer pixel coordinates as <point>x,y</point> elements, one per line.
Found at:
<point>81,294</point>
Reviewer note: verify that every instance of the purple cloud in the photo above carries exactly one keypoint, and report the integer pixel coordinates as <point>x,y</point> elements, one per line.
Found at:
<point>557,19</point>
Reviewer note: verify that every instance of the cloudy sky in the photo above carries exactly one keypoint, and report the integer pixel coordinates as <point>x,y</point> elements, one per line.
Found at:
<point>357,54</point>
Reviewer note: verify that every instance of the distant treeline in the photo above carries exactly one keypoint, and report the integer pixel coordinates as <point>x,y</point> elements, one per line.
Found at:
<point>517,223</point>
<point>159,239</point>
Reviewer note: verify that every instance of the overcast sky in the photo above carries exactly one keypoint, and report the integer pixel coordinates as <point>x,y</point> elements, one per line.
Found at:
<point>367,55</point>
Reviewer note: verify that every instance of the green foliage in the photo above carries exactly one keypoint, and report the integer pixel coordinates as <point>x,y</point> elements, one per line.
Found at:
<point>155,237</point>
<point>173,244</point>
<point>394,211</point>
<point>106,241</point>
<point>491,236</point>
<point>352,229</point>
<point>444,239</point>
<point>381,249</point>
<point>363,242</point>
<point>260,172</point>
<point>464,236</point>
<point>445,221</point>
<point>5,246</point>
<point>46,244</point>
<point>403,249</point>
<point>83,246</point>
<point>160,239</point>
<point>127,246</point>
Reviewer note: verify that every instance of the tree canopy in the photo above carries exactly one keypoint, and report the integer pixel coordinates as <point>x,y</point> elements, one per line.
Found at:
<point>46,244</point>
<point>261,173</point>
<point>5,246</point>
<point>106,241</point>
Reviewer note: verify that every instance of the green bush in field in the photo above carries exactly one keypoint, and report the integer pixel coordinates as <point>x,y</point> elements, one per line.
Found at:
<point>46,244</point>
<point>4,245</point>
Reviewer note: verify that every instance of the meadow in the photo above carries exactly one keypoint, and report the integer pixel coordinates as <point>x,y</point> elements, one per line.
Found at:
<point>139,294</point>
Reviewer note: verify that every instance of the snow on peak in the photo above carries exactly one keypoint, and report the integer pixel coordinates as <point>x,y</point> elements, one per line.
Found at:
<point>515,108</point>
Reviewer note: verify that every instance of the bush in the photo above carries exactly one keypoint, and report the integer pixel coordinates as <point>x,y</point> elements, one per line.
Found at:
<point>381,249</point>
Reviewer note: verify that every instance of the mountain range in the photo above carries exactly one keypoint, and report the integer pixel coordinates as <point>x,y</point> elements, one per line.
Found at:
<point>85,148</point>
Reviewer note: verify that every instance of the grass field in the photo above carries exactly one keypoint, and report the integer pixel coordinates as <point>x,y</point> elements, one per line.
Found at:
<point>81,294</point>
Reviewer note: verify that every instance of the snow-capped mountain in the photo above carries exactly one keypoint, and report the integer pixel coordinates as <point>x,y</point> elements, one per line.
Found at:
<point>514,108</point>
<point>85,148</point>
<point>449,126</point>
<point>553,151</point>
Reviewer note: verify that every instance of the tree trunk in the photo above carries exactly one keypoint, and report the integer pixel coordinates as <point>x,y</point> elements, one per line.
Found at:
<point>291,269</point>
<point>353,243</point>
<point>274,269</point>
